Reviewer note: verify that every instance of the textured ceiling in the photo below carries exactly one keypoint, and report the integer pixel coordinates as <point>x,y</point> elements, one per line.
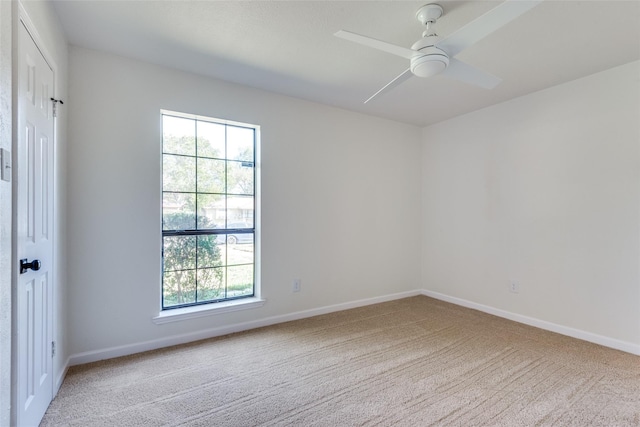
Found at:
<point>288,47</point>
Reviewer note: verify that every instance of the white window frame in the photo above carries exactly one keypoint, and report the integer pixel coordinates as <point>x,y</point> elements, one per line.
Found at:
<point>225,306</point>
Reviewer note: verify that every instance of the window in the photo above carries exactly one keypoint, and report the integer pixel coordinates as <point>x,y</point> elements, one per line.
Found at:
<point>208,210</point>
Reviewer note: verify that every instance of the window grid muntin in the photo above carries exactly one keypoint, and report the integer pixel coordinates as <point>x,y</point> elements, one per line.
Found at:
<point>214,231</point>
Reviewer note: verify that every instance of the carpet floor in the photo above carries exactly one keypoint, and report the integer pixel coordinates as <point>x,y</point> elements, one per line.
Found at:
<point>411,362</point>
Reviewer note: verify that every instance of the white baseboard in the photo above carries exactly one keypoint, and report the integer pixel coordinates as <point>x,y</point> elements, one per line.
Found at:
<point>108,353</point>
<point>125,350</point>
<point>542,324</point>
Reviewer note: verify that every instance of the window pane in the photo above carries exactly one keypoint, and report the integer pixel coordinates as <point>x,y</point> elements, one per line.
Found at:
<point>178,135</point>
<point>210,176</point>
<point>239,281</point>
<point>178,173</point>
<point>209,251</point>
<point>210,284</point>
<point>208,183</point>
<point>240,178</point>
<point>179,288</point>
<point>211,211</point>
<point>240,212</point>
<point>240,252</point>
<point>240,143</point>
<point>211,140</point>
<point>179,253</point>
<point>241,225</point>
<point>178,211</point>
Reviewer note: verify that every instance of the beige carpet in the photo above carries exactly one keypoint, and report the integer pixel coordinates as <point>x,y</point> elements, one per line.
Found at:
<point>411,362</point>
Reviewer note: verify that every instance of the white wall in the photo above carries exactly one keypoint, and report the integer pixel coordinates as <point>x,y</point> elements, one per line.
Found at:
<point>341,199</point>
<point>5,215</point>
<point>54,44</point>
<point>543,190</point>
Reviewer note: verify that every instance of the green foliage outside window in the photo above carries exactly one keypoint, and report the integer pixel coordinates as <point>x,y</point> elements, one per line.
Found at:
<point>191,260</point>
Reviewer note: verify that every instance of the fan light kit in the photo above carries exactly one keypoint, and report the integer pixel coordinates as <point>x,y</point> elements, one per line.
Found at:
<point>434,61</point>
<point>431,55</point>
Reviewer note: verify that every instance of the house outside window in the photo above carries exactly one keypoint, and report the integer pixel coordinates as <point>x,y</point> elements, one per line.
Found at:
<point>208,210</point>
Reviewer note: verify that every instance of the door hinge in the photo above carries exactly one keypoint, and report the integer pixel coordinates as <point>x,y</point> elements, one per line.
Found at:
<point>53,348</point>
<point>55,106</point>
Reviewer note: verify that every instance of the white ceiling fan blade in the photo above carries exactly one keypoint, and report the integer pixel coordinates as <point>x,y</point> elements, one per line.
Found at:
<point>376,44</point>
<point>393,83</point>
<point>485,25</point>
<point>469,74</point>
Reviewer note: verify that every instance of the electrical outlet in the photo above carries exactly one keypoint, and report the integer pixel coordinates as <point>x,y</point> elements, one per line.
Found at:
<point>297,285</point>
<point>514,287</point>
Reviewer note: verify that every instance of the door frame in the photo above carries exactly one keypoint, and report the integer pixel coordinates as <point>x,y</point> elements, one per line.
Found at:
<point>20,17</point>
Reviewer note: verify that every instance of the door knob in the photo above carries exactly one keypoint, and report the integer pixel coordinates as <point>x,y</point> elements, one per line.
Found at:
<point>34,265</point>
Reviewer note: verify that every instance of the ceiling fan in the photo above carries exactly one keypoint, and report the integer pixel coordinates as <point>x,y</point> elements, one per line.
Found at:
<point>431,55</point>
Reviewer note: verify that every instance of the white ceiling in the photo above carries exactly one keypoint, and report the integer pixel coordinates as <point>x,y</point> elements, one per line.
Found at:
<point>288,47</point>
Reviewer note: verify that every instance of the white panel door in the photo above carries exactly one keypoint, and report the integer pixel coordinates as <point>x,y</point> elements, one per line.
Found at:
<point>33,225</point>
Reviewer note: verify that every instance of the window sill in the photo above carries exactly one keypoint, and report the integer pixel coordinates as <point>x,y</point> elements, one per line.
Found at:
<point>186,313</point>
